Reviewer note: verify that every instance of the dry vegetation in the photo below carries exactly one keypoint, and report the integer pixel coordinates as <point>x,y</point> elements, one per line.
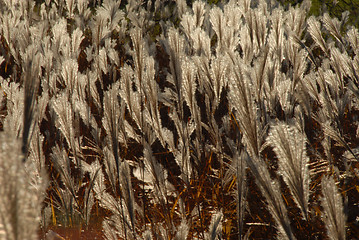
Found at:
<point>172,121</point>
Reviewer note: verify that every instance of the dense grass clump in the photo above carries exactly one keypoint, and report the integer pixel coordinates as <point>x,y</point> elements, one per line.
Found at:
<point>177,120</point>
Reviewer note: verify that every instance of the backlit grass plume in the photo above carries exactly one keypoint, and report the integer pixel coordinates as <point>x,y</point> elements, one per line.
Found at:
<point>333,210</point>
<point>21,192</point>
<point>289,145</point>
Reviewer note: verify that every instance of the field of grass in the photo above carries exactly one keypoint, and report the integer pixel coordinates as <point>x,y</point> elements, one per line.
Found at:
<point>178,120</point>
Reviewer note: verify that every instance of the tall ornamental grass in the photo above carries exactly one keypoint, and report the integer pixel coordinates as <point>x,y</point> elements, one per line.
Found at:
<point>177,120</point>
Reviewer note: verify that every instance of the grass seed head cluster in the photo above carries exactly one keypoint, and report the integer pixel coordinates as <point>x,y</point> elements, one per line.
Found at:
<point>170,120</point>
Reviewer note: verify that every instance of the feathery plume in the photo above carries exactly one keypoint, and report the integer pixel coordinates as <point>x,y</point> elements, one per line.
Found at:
<point>271,191</point>
<point>333,26</point>
<point>182,231</point>
<point>21,192</point>
<point>289,145</point>
<point>64,122</point>
<point>111,122</point>
<point>70,5</point>
<point>334,217</point>
<point>315,32</point>
<point>353,38</point>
